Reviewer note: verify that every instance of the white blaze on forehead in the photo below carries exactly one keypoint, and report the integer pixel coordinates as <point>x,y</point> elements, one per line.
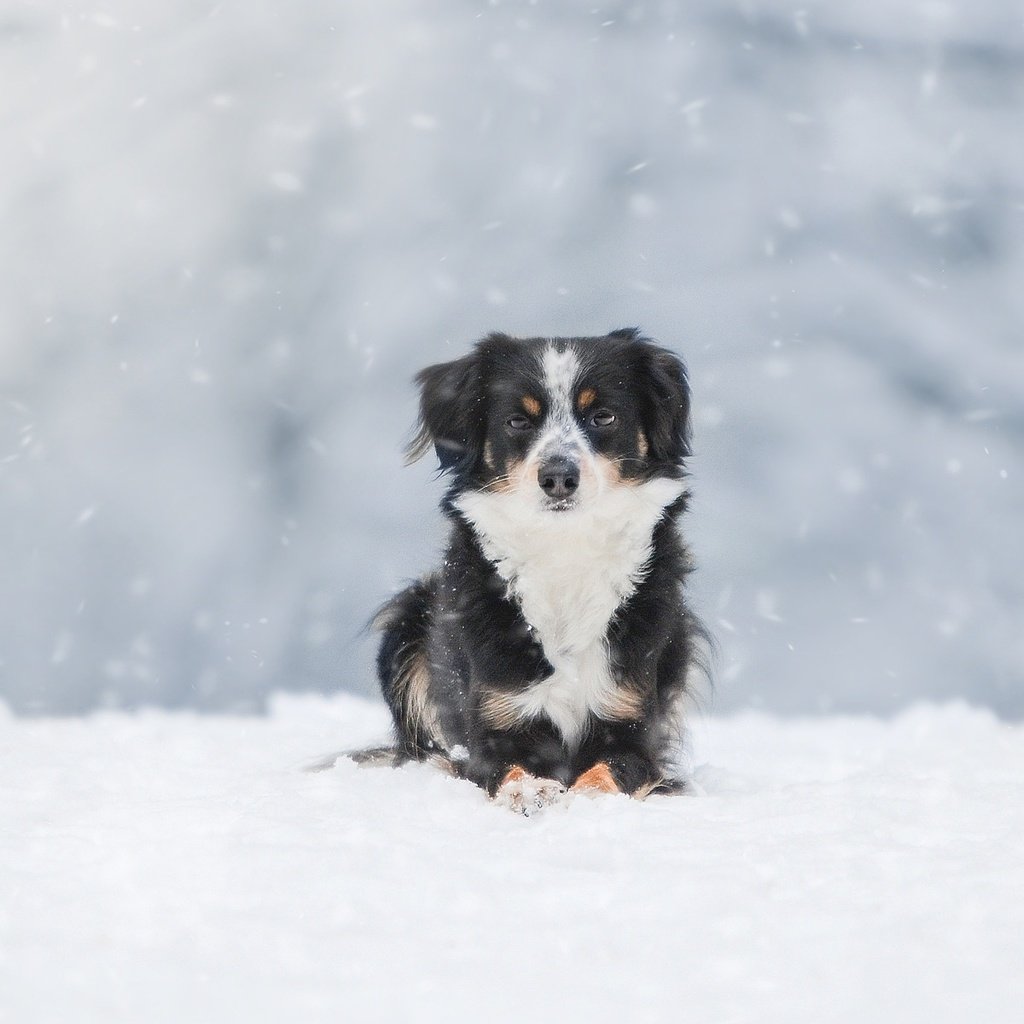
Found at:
<point>561,368</point>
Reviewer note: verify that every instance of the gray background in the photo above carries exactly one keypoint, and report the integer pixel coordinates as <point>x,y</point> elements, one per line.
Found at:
<point>229,234</point>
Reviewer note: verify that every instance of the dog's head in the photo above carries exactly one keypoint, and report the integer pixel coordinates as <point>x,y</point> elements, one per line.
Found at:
<point>556,421</point>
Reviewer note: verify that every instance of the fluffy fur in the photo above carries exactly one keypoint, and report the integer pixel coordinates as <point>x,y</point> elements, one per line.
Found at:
<point>554,646</point>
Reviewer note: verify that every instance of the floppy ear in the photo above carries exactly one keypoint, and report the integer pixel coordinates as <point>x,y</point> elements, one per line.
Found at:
<point>666,409</point>
<point>451,413</point>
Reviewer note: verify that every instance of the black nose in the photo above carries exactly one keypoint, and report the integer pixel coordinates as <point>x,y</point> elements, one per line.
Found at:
<point>558,478</point>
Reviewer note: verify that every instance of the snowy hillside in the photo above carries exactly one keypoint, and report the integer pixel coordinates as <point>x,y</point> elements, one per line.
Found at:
<point>172,867</point>
<point>230,232</point>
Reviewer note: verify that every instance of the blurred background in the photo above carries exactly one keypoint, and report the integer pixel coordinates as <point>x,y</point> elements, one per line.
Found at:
<point>231,232</point>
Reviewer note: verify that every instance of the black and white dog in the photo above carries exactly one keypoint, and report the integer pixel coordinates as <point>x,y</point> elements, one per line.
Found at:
<point>553,647</point>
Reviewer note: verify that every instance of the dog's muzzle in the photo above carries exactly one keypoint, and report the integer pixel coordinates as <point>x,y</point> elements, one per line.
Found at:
<point>559,478</point>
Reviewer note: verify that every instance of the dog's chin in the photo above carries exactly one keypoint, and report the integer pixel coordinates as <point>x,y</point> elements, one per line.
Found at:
<point>560,504</point>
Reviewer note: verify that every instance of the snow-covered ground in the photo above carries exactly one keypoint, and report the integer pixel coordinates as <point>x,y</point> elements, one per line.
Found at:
<point>178,867</point>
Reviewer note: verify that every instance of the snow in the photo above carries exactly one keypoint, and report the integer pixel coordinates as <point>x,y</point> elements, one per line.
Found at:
<point>169,866</point>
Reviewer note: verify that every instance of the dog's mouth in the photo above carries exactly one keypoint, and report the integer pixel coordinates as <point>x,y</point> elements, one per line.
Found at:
<point>560,504</point>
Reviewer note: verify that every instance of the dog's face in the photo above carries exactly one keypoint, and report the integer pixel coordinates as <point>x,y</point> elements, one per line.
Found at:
<point>556,423</point>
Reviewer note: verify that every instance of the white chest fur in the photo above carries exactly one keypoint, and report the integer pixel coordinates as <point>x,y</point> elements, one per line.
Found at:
<point>570,571</point>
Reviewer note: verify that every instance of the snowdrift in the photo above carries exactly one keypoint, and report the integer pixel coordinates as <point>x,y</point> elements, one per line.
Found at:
<point>168,867</point>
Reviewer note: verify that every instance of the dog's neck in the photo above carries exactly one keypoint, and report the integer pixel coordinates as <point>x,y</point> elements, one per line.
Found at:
<point>569,571</point>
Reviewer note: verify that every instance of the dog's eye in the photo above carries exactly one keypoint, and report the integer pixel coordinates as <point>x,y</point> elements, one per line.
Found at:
<point>602,418</point>
<point>518,422</point>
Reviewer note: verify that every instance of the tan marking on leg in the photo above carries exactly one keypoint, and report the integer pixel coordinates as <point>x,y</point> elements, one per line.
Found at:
<point>642,445</point>
<point>514,774</point>
<point>624,705</point>
<point>499,709</point>
<point>412,684</point>
<point>646,789</point>
<point>503,710</point>
<point>586,399</point>
<point>531,405</point>
<point>596,780</point>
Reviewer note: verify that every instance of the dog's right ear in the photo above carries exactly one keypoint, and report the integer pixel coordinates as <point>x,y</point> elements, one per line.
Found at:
<point>451,413</point>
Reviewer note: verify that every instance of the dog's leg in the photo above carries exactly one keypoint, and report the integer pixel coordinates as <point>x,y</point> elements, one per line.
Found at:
<point>511,766</point>
<point>598,779</point>
<point>616,759</point>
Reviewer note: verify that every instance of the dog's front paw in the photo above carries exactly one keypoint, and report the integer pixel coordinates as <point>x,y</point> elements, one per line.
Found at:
<point>524,793</point>
<point>597,779</point>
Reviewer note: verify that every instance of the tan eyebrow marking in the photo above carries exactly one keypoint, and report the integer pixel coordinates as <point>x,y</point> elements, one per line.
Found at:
<point>531,405</point>
<point>586,398</point>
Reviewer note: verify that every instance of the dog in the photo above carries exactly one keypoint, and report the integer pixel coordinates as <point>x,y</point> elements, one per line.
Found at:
<point>553,649</point>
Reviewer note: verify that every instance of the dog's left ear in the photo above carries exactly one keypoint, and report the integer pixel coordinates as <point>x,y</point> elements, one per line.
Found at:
<point>666,409</point>
<point>451,413</point>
